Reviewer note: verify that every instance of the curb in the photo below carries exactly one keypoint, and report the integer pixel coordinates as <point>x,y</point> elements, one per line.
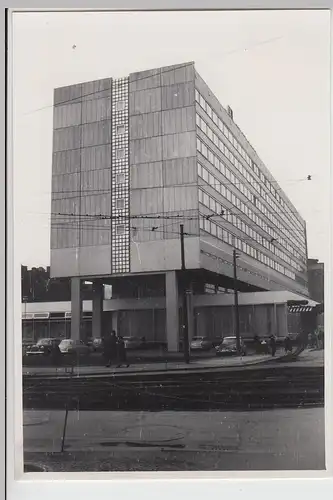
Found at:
<point>185,369</point>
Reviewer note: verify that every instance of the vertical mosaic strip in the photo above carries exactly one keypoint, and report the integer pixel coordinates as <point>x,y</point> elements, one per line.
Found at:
<point>120,209</point>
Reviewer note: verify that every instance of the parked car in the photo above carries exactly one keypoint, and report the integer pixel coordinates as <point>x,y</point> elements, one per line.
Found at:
<point>42,347</point>
<point>228,346</point>
<point>201,344</point>
<point>133,343</point>
<point>71,346</point>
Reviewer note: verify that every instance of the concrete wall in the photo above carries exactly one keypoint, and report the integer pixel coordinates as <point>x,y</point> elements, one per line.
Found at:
<point>163,166</point>
<point>81,180</point>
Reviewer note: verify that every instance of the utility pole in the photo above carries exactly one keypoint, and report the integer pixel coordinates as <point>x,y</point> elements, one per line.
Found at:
<point>235,255</point>
<point>184,298</point>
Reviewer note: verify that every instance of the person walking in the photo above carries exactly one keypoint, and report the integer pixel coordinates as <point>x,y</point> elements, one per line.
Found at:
<point>272,343</point>
<point>287,344</point>
<point>110,348</point>
<point>121,353</point>
<point>56,355</point>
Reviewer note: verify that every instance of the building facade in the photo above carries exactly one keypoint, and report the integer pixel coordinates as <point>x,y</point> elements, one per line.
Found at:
<point>316,280</point>
<point>133,158</point>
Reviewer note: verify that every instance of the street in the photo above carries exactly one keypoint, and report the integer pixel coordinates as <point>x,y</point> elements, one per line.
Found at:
<point>279,439</point>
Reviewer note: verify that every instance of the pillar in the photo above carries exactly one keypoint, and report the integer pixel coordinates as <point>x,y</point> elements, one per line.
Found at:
<point>172,311</point>
<point>274,325</point>
<point>115,321</point>
<point>76,306</point>
<point>190,314</point>
<point>97,309</point>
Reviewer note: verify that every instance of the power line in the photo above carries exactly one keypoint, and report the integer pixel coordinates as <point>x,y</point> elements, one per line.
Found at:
<point>77,99</point>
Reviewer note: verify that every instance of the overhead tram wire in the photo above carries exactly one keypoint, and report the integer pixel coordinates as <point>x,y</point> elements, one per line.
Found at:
<point>177,233</point>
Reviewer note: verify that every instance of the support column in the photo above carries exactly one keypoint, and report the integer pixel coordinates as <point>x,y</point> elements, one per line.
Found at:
<point>172,311</point>
<point>76,305</point>
<point>274,326</point>
<point>115,321</point>
<point>190,314</point>
<point>97,309</point>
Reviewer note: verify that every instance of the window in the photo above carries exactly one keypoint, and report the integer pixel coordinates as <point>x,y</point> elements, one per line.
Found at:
<point>219,232</point>
<point>120,153</point>
<point>202,102</point>
<point>213,229</point>
<point>197,95</point>
<point>204,150</point>
<point>211,180</point>
<point>211,157</point>
<point>207,226</point>
<point>120,129</point>
<point>205,175</point>
<point>199,170</point>
<point>120,105</point>
<point>206,199</point>
<point>120,229</point>
<point>212,205</point>
<point>120,178</point>
<point>200,196</point>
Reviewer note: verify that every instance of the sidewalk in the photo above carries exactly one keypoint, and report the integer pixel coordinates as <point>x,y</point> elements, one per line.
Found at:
<point>157,367</point>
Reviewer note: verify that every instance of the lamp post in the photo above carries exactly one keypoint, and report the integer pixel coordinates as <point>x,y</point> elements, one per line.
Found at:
<point>184,299</point>
<point>235,256</point>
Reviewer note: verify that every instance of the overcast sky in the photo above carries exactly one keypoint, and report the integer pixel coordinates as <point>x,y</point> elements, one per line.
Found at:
<point>272,68</point>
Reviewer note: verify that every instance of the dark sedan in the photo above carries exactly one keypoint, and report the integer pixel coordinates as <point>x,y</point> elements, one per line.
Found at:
<point>229,347</point>
<point>43,347</point>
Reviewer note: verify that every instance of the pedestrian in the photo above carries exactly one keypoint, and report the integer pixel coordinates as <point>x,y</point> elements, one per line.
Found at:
<point>320,339</point>
<point>257,344</point>
<point>287,344</point>
<point>121,353</point>
<point>110,348</point>
<point>272,343</point>
<point>56,355</point>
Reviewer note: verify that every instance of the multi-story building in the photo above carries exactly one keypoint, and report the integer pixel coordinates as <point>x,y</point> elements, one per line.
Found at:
<point>135,157</point>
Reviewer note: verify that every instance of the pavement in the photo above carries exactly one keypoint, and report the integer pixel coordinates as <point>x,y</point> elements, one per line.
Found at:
<point>287,439</point>
<point>197,364</point>
<point>308,357</point>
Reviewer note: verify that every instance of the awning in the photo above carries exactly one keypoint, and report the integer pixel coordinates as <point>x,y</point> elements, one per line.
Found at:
<point>299,309</point>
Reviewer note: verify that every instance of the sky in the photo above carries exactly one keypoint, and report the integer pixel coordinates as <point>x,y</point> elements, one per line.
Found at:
<point>271,67</point>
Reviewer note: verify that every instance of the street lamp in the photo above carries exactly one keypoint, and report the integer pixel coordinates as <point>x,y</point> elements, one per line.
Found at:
<point>235,257</point>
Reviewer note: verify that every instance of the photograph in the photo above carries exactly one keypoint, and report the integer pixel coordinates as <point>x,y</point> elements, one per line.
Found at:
<point>172,235</point>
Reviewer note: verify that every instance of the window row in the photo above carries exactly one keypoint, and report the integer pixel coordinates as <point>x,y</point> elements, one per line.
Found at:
<point>231,138</point>
<point>224,235</point>
<point>221,167</point>
<point>232,198</point>
<point>232,219</point>
<point>240,185</point>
